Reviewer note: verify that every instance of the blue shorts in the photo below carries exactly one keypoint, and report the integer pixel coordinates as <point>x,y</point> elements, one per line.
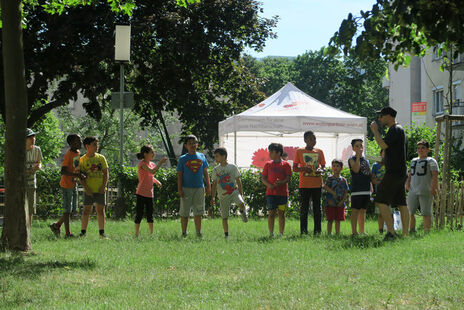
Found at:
<point>276,202</point>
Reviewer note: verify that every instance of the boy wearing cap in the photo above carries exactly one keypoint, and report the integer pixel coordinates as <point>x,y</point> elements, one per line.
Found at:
<point>33,163</point>
<point>390,190</point>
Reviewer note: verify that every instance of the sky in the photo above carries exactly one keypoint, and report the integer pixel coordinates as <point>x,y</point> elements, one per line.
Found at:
<point>306,24</point>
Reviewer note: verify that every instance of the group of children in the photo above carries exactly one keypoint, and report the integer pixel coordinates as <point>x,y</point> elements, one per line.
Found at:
<point>193,183</point>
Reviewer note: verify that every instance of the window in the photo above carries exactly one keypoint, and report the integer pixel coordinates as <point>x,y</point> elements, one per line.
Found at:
<point>438,101</point>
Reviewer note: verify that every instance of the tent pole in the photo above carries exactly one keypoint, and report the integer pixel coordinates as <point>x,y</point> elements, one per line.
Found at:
<point>235,148</point>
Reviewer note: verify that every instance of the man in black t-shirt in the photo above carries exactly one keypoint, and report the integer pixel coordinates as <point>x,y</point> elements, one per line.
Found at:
<point>391,189</point>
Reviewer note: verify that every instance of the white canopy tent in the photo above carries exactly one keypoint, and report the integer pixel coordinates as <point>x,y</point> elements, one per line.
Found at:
<point>283,118</point>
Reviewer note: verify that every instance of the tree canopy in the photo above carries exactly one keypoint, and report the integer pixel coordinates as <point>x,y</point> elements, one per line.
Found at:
<point>394,29</point>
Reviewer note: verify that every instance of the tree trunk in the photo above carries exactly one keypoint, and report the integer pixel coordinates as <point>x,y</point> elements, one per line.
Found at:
<point>167,141</point>
<point>15,233</point>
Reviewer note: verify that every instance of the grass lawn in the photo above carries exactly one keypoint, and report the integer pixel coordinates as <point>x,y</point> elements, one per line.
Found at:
<point>248,271</point>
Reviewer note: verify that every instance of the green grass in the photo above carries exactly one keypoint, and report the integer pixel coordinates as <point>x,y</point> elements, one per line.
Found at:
<point>248,271</point>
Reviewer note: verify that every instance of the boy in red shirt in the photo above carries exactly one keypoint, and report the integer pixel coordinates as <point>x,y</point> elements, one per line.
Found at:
<point>276,175</point>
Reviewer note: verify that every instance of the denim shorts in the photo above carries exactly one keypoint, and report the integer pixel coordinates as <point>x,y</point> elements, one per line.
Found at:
<point>69,199</point>
<point>276,202</point>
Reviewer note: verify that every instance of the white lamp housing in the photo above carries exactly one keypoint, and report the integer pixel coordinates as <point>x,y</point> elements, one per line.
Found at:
<point>122,43</point>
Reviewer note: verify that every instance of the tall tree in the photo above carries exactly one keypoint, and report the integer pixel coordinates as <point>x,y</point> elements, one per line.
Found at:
<point>15,233</point>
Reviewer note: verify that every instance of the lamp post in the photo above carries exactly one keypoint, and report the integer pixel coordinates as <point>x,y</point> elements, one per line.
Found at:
<point>121,55</point>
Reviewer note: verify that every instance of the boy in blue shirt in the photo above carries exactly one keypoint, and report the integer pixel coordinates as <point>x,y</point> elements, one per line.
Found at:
<point>191,169</point>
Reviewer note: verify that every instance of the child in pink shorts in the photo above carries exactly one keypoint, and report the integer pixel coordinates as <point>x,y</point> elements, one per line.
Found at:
<point>337,191</point>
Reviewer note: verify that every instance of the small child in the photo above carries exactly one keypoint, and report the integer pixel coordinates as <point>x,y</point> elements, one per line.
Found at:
<point>93,165</point>
<point>229,190</point>
<point>276,175</point>
<point>69,174</point>
<point>378,171</point>
<point>33,163</point>
<point>146,171</point>
<point>337,192</point>
<point>284,156</point>
<point>422,184</point>
<point>191,169</point>
<point>310,163</point>
<point>360,186</point>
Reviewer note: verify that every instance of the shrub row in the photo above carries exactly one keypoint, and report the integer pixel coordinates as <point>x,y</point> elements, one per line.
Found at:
<point>166,202</point>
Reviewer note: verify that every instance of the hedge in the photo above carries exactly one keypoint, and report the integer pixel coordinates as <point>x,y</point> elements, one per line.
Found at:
<point>166,202</point>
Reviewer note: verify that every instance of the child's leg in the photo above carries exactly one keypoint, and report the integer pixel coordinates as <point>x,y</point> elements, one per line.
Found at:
<point>380,222</point>
<point>183,224</point>
<point>361,220</point>
<point>225,225</point>
<point>281,214</point>
<point>85,216</point>
<point>354,220</point>
<point>305,195</point>
<point>427,223</point>
<point>138,214</point>
<point>404,211</point>
<point>66,217</point>
<point>412,222</point>
<point>270,220</point>
<point>329,227</point>
<point>149,207</point>
<point>337,227</point>
<point>101,216</point>
<point>197,220</point>
<point>316,199</point>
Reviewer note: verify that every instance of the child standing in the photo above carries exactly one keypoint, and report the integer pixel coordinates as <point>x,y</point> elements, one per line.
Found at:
<point>69,174</point>
<point>229,190</point>
<point>276,175</point>
<point>378,171</point>
<point>337,191</point>
<point>33,163</point>
<point>310,162</point>
<point>360,185</point>
<point>146,171</point>
<point>93,165</point>
<point>191,169</point>
<point>422,184</point>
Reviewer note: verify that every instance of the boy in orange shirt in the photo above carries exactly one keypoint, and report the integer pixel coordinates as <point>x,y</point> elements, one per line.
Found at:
<point>310,162</point>
<point>69,174</point>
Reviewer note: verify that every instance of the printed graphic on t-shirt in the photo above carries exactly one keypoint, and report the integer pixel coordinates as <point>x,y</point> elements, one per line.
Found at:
<point>226,184</point>
<point>311,160</point>
<point>339,186</point>
<point>419,167</point>
<point>194,164</point>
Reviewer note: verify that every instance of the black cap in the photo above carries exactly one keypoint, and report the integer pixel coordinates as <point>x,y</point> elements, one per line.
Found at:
<point>387,111</point>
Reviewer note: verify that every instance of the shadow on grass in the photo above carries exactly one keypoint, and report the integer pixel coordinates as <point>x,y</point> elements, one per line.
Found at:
<point>354,242</point>
<point>17,266</point>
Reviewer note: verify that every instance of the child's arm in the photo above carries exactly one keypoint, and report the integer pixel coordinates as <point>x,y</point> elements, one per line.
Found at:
<point>239,185</point>
<point>179,184</point>
<point>341,202</point>
<point>355,165</point>
<point>407,185</point>
<point>266,182</point>
<point>434,188</point>
<point>157,182</point>
<point>207,180</point>
<point>374,180</point>
<point>66,172</point>
<point>106,175</point>
<point>329,190</point>
<point>213,193</point>
<point>160,163</point>
<point>284,181</point>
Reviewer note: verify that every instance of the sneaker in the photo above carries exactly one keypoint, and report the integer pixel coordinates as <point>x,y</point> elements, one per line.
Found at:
<point>55,229</point>
<point>271,235</point>
<point>104,237</point>
<point>81,235</point>
<point>184,235</point>
<point>244,216</point>
<point>381,231</point>
<point>199,235</point>
<point>389,237</point>
<point>69,236</point>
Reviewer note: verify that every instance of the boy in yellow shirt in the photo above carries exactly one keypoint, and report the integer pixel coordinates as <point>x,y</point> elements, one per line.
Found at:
<point>93,165</point>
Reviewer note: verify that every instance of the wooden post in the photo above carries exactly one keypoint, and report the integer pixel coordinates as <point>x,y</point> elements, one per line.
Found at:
<point>437,140</point>
<point>443,205</point>
<point>436,205</point>
<point>450,213</point>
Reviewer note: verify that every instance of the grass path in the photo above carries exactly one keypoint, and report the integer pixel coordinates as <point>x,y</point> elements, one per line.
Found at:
<point>248,271</point>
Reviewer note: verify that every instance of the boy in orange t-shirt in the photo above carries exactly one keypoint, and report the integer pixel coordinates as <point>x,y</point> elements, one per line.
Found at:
<point>69,173</point>
<point>310,162</point>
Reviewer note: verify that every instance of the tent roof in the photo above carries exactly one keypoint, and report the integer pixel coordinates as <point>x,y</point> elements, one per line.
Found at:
<point>291,110</point>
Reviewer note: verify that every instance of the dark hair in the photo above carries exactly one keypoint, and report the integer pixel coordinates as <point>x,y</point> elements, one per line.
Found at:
<point>88,140</point>
<point>284,154</point>
<point>353,142</point>
<point>307,134</point>
<point>338,161</point>
<point>221,151</point>
<point>143,150</point>
<point>72,137</point>
<point>276,147</point>
<point>424,143</point>
<point>190,137</point>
